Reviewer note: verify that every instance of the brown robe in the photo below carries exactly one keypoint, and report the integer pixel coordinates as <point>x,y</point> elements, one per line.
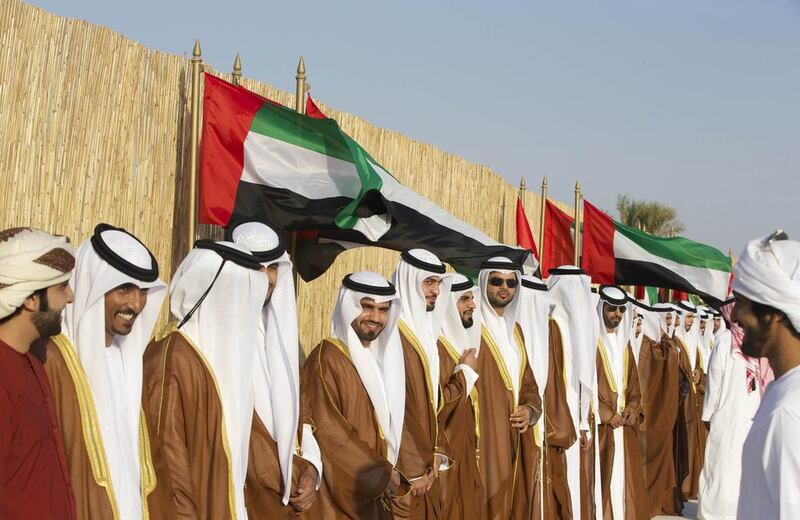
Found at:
<point>461,483</point>
<point>184,416</point>
<point>421,437</point>
<point>509,460</point>
<point>85,457</point>
<point>637,506</point>
<point>658,377</point>
<point>264,485</point>
<point>696,431</point>
<point>356,472</point>
<point>560,431</point>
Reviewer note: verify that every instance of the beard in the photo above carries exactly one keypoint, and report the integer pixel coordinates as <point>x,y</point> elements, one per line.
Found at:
<point>753,342</point>
<point>497,302</point>
<point>47,323</point>
<point>467,323</point>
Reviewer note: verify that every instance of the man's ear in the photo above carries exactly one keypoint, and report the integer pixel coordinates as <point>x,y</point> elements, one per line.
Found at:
<point>31,303</point>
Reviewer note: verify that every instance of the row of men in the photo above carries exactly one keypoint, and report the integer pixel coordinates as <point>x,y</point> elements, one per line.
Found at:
<point>432,398</point>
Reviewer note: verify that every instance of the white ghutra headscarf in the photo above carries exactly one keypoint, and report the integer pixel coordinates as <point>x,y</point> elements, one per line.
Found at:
<point>414,267</point>
<point>224,329</point>
<point>276,372</point>
<point>380,367</point>
<point>99,266</point>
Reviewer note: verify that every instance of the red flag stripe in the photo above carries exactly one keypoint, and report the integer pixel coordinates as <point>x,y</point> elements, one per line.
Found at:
<point>524,235</point>
<point>598,245</point>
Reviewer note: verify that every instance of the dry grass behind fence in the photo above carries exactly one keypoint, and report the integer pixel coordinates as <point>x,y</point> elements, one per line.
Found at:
<point>95,128</point>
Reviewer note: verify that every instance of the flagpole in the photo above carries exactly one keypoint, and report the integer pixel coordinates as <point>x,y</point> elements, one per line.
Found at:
<point>542,202</point>
<point>300,106</point>
<point>577,215</point>
<point>522,191</point>
<point>197,69</point>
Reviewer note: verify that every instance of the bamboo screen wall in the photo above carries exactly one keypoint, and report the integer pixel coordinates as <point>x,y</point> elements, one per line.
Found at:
<point>95,127</point>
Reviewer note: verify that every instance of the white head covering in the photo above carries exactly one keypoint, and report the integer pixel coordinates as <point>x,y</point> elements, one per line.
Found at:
<point>768,272</point>
<point>84,326</point>
<point>690,338</point>
<point>501,328</point>
<point>664,310</point>
<point>707,337</point>
<point>224,328</point>
<point>31,259</point>
<point>534,317</point>
<point>276,371</point>
<point>381,366</point>
<point>570,292</point>
<point>716,315</point>
<point>414,267</point>
<point>452,327</point>
<point>616,341</point>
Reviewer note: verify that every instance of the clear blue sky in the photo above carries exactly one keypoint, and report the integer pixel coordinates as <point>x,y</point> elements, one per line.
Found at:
<point>692,103</point>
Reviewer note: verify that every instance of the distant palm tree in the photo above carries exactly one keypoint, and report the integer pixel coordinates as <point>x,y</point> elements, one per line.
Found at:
<point>654,217</point>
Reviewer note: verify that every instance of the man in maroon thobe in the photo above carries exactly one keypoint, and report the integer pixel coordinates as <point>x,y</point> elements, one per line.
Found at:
<point>34,269</point>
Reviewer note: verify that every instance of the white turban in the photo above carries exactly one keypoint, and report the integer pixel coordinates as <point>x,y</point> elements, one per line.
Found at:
<point>769,273</point>
<point>31,259</point>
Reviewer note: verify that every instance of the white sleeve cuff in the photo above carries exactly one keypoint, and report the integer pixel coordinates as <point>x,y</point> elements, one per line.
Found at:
<point>310,451</point>
<point>470,376</point>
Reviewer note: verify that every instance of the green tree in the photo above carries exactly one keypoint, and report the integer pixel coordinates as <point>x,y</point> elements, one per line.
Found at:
<point>654,217</point>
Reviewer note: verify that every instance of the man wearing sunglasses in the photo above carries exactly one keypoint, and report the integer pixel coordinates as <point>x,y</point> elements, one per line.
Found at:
<point>619,396</point>
<point>508,399</point>
<point>767,291</point>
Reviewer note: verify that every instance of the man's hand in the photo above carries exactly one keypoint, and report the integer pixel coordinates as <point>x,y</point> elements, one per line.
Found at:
<point>521,419</point>
<point>468,358</point>
<point>616,421</point>
<point>306,491</point>
<point>423,484</point>
<point>629,417</point>
<point>696,376</point>
<point>585,443</point>
<point>394,483</point>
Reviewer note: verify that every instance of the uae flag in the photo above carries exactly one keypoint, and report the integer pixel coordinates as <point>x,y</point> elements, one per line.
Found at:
<point>559,239</point>
<point>263,161</point>
<point>614,253</point>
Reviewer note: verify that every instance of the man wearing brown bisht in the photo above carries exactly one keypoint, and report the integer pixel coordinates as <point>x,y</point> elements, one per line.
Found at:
<point>423,448</point>
<point>509,399</point>
<point>354,385</point>
<point>687,334</point>
<point>198,384</point>
<point>95,370</point>
<point>658,378</point>
<point>572,370</point>
<point>619,397</point>
<point>278,452</point>
<point>34,479</point>
<point>458,350</point>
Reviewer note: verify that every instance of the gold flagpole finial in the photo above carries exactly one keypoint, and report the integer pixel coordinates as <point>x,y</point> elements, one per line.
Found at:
<point>522,189</point>
<point>300,87</point>
<point>236,75</point>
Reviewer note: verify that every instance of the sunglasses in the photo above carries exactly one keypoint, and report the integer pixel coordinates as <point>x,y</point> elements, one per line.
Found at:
<point>497,282</point>
<point>615,308</point>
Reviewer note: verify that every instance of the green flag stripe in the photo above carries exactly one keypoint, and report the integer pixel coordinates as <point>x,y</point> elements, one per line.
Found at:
<point>319,135</point>
<point>679,250</point>
<point>322,136</point>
